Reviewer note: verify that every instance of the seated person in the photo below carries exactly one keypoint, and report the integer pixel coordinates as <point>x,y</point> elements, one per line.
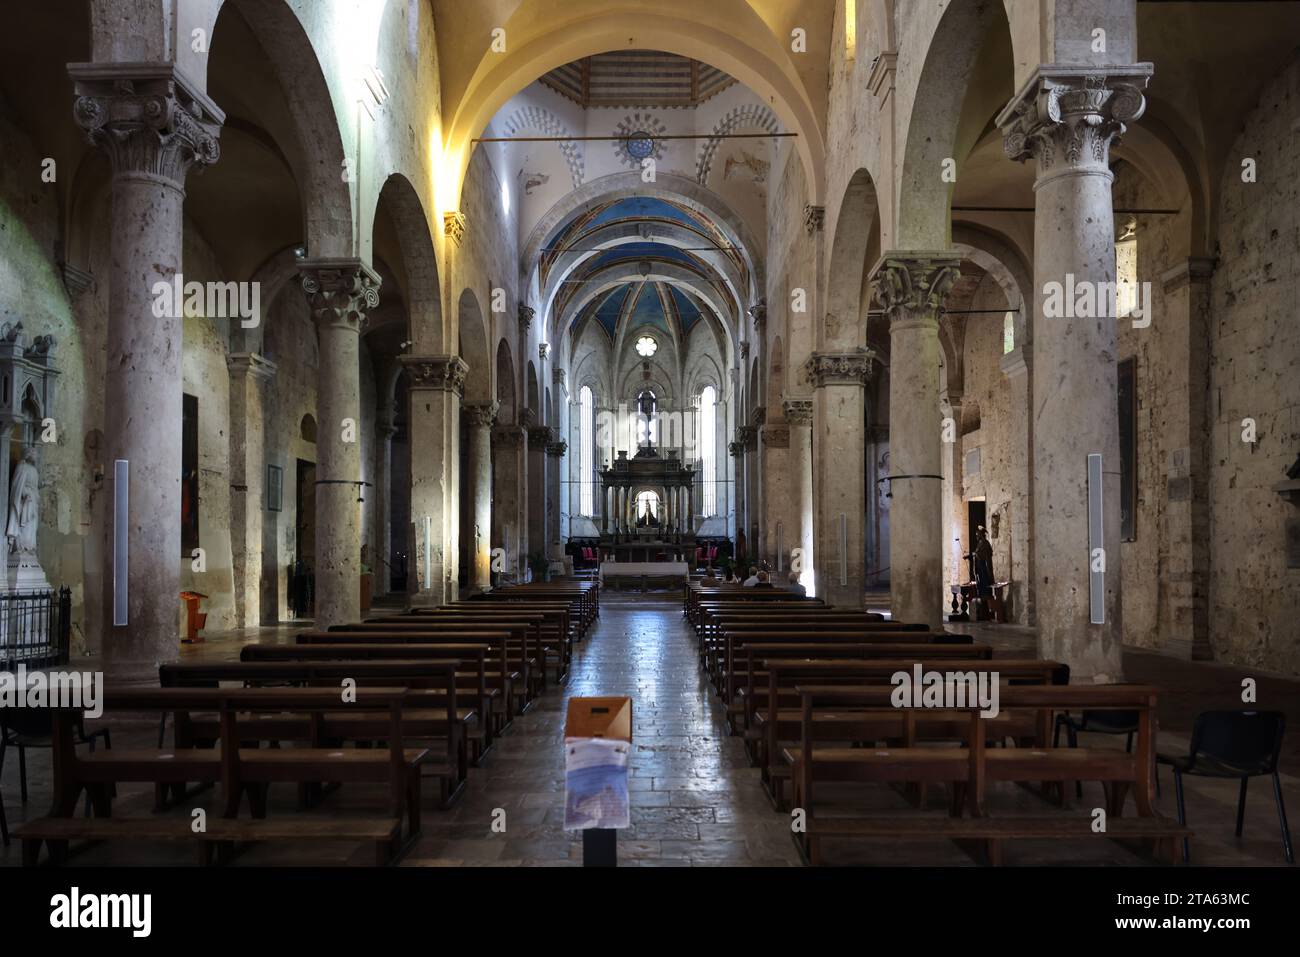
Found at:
<point>752,580</point>
<point>708,575</point>
<point>796,588</point>
<point>764,580</point>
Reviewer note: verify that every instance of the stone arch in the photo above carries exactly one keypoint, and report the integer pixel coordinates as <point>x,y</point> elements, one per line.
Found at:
<point>419,263</point>
<point>857,229</point>
<point>547,123</point>
<point>507,411</point>
<point>307,428</point>
<point>749,116</point>
<point>314,146</point>
<point>729,35</point>
<point>924,197</point>
<point>474,348</point>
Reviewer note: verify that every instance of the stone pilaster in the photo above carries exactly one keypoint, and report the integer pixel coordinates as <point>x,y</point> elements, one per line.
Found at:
<point>154,128</point>
<point>555,452</point>
<point>911,287</point>
<point>839,406</point>
<point>479,418</point>
<point>249,372</point>
<point>1066,118</point>
<point>436,386</point>
<point>385,429</point>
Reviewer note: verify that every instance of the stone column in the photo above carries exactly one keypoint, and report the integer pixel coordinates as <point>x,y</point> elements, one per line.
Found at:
<point>509,480</point>
<point>538,437</point>
<point>153,127</point>
<point>951,543</point>
<point>555,451</point>
<point>436,386</point>
<point>1017,366</point>
<point>839,406</point>
<point>911,286</point>
<point>777,491</point>
<point>1065,118</point>
<point>340,291</point>
<point>480,416</point>
<point>249,371</point>
<point>385,428</point>
<point>736,449</point>
<point>799,414</point>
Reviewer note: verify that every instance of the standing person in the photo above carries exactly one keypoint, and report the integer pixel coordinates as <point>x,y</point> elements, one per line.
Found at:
<point>983,563</point>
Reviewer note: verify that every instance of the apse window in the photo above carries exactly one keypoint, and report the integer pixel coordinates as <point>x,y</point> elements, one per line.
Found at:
<point>586,452</point>
<point>646,347</point>
<point>707,433</point>
<point>1008,332</point>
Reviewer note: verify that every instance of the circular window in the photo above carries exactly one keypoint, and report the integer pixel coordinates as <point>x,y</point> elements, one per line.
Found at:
<point>646,346</point>
<point>640,145</point>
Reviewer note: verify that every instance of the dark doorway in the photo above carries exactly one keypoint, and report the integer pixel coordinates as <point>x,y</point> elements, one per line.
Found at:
<point>301,580</point>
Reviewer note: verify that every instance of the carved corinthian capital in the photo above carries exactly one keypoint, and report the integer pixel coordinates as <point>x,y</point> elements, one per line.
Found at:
<point>146,117</point>
<point>797,411</point>
<point>481,415</point>
<point>1067,117</point>
<point>839,368</point>
<point>340,291</point>
<point>440,373</point>
<point>911,286</point>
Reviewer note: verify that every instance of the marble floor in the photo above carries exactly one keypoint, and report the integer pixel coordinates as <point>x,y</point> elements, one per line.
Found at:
<point>695,800</point>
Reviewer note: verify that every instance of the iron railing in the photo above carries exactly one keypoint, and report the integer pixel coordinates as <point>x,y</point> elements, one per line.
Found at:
<point>35,628</point>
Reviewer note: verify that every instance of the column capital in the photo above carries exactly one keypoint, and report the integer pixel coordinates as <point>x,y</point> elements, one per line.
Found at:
<point>543,350</point>
<point>758,313</point>
<point>146,117</point>
<point>526,314</point>
<point>507,437</point>
<point>251,364</point>
<point>440,373</point>
<point>1072,114</point>
<point>911,285</point>
<point>747,435</point>
<point>540,436</point>
<point>453,226</point>
<point>558,449</point>
<point>340,290</point>
<point>814,218</point>
<point>839,368</point>
<point>775,436</point>
<point>759,416</point>
<point>798,410</point>
<point>481,415</point>
<point>736,448</point>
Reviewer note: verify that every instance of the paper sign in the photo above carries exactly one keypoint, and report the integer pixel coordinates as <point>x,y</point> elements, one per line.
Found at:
<point>595,778</point>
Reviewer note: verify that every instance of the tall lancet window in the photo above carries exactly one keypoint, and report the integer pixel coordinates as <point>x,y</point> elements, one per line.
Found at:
<point>586,452</point>
<point>708,451</point>
<point>647,426</point>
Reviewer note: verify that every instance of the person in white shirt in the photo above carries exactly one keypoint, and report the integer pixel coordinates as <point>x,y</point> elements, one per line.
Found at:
<point>752,580</point>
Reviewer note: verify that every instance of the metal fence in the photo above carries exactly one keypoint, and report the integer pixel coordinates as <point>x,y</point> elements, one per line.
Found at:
<point>35,628</point>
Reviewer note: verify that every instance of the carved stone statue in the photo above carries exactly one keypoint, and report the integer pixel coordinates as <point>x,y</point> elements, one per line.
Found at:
<point>24,506</point>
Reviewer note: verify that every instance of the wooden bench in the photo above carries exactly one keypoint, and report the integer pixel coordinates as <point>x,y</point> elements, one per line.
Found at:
<point>969,768</point>
<point>447,726</point>
<point>472,682</point>
<point>239,770</point>
<point>773,711</point>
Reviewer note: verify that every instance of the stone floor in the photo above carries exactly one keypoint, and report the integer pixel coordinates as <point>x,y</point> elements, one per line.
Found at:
<point>695,800</point>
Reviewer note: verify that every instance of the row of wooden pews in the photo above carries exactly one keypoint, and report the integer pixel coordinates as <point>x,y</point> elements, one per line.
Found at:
<point>809,687</point>
<point>392,702</point>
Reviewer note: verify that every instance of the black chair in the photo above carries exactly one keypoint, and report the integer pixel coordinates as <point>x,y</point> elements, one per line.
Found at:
<point>24,728</point>
<point>1234,744</point>
<point>1095,722</point>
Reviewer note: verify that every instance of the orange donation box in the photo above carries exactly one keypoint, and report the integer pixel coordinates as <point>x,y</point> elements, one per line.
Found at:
<point>597,742</point>
<point>192,620</point>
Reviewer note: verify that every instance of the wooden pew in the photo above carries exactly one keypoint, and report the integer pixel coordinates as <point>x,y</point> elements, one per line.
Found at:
<point>523,648</point>
<point>237,769</point>
<point>471,675</point>
<point>970,768</point>
<point>501,674</point>
<point>773,715</point>
<point>447,726</point>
